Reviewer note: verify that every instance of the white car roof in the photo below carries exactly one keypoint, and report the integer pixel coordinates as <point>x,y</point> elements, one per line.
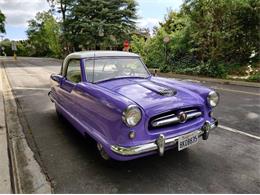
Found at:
<point>96,54</point>
<point>91,54</point>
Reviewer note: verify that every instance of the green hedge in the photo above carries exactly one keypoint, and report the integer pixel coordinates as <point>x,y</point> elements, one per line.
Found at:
<point>255,77</point>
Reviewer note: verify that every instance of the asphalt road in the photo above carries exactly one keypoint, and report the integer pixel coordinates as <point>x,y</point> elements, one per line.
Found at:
<point>229,162</point>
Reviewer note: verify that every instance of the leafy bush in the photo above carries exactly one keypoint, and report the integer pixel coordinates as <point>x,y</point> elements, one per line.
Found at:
<point>208,69</point>
<point>190,71</point>
<point>236,69</point>
<point>215,70</point>
<point>255,77</point>
<point>164,68</point>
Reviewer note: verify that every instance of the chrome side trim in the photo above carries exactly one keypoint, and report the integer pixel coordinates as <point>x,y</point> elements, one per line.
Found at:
<point>157,145</point>
<point>51,97</point>
<point>175,119</point>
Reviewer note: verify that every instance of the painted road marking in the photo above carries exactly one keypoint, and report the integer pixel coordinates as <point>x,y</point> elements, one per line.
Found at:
<point>220,88</point>
<point>191,80</point>
<point>31,88</point>
<point>237,91</point>
<point>239,132</point>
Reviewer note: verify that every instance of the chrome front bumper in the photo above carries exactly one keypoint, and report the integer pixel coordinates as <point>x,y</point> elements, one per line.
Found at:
<point>161,143</point>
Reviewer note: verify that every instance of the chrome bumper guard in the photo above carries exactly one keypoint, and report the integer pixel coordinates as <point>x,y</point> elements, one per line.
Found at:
<point>161,143</point>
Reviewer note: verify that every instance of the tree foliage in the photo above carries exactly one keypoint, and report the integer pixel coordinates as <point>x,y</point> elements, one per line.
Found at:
<point>62,7</point>
<point>100,24</point>
<point>44,35</point>
<point>2,22</point>
<point>93,24</point>
<point>206,37</point>
<point>24,48</point>
<point>222,29</point>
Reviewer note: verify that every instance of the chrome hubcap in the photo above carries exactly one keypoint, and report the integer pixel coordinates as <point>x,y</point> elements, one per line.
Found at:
<point>102,152</point>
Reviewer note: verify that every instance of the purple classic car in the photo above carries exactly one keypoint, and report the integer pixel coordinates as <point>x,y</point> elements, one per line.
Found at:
<point>112,97</point>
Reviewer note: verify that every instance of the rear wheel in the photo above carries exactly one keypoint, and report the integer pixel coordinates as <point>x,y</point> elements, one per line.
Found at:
<point>102,152</point>
<point>59,115</point>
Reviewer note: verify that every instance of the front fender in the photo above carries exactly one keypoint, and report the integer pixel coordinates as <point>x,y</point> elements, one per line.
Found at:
<point>101,110</point>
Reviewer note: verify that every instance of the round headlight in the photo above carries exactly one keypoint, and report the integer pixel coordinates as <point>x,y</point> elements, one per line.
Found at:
<point>213,99</point>
<point>132,116</point>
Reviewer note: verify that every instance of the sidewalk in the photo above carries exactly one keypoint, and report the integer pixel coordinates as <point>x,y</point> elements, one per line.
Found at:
<point>207,79</point>
<point>20,167</point>
<point>5,179</point>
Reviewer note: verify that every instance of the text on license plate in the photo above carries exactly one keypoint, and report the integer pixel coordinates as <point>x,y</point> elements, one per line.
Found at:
<point>188,140</point>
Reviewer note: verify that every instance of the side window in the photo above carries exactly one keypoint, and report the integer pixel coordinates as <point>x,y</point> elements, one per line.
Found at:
<point>74,71</point>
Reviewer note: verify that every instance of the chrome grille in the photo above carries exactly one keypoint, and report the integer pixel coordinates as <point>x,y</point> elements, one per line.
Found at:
<point>174,117</point>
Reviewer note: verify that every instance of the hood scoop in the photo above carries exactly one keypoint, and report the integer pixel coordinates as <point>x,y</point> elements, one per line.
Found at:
<point>158,88</point>
<point>167,92</point>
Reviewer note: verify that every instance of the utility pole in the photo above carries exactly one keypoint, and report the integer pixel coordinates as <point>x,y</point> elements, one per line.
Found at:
<point>166,40</point>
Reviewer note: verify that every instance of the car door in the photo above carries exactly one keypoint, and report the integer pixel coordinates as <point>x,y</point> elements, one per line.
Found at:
<point>72,78</point>
<point>72,75</point>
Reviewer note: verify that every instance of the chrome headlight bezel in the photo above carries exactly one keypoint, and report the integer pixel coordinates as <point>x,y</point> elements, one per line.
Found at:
<point>132,116</point>
<point>213,99</point>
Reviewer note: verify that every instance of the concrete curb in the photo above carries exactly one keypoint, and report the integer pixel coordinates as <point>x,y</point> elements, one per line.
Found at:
<point>206,79</point>
<point>5,177</point>
<point>27,175</point>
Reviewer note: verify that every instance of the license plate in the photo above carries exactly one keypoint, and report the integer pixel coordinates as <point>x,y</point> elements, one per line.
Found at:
<point>187,140</point>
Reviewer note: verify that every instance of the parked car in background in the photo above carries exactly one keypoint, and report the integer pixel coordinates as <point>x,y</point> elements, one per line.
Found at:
<point>112,97</point>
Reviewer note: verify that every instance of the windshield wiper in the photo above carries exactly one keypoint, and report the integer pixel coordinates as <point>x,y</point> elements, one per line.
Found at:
<point>125,77</point>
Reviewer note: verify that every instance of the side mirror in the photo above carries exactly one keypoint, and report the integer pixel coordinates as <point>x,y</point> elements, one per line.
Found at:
<point>56,77</point>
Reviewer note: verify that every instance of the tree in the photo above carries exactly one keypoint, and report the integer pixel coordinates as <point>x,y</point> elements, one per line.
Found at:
<point>223,30</point>
<point>100,24</point>
<point>2,22</point>
<point>173,21</point>
<point>44,35</point>
<point>63,6</point>
<point>155,51</point>
<point>137,45</point>
<point>24,48</point>
<point>7,44</point>
<point>207,37</point>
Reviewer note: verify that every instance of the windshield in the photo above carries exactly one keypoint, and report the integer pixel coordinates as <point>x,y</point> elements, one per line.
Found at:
<point>112,68</point>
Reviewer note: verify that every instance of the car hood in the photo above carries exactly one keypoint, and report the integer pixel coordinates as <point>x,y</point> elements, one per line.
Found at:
<point>157,95</point>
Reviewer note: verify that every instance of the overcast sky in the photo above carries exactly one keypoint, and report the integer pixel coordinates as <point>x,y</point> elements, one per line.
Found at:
<point>18,12</point>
